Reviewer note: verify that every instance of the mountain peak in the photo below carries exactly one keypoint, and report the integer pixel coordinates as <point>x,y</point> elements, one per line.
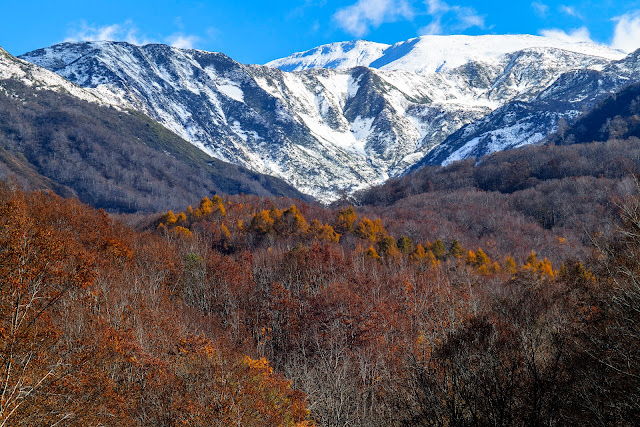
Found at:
<point>433,53</point>
<point>339,55</point>
<point>37,77</point>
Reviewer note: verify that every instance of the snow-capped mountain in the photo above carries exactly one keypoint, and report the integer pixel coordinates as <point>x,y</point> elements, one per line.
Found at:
<point>429,54</point>
<point>120,160</point>
<point>327,131</point>
<point>341,55</point>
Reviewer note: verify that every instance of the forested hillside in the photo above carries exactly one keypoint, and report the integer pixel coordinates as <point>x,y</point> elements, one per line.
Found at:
<point>518,198</point>
<point>617,117</point>
<point>274,312</point>
<point>118,160</point>
<point>94,330</point>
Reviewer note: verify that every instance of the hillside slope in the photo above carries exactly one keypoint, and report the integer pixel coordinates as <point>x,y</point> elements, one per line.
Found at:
<point>616,117</point>
<point>110,158</point>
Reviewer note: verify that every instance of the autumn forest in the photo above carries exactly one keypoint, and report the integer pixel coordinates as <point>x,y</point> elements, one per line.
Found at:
<point>246,310</point>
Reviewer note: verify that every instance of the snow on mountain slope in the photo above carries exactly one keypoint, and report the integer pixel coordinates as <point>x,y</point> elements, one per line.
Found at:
<point>38,77</point>
<point>522,123</point>
<point>288,125</point>
<point>340,55</point>
<point>430,54</point>
<point>326,131</point>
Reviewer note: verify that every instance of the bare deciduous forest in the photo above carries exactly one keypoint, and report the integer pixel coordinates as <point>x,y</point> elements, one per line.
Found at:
<point>254,311</point>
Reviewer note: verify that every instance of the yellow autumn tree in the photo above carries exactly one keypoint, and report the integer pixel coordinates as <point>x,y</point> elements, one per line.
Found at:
<point>372,253</point>
<point>290,222</point>
<point>345,221</point>
<point>370,230</point>
<point>456,250</point>
<point>438,249</point>
<point>405,245</point>
<point>169,218</point>
<point>544,268</point>
<point>324,232</point>
<point>510,265</point>
<point>262,223</point>
<point>388,246</point>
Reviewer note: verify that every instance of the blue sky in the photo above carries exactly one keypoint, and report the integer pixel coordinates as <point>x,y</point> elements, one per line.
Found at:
<point>258,31</point>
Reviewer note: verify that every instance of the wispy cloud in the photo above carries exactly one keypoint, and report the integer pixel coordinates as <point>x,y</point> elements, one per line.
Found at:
<point>212,33</point>
<point>182,41</point>
<point>447,18</point>
<point>581,34</point>
<point>359,18</point>
<point>435,27</point>
<point>178,22</point>
<point>436,7</point>
<point>570,11</point>
<point>626,35</point>
<point>540,9</point>
<point>126,31</point>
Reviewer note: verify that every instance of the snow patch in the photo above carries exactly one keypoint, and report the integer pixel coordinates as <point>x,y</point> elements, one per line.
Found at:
<point>232,90</point>
<point>353,86</point>
<point>361,129</point>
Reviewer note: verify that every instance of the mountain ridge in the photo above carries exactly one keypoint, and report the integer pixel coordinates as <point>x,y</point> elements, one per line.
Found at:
<point>524,123</point>
<point>410,55</point>
<point>327,132</point>
<point>111,158</point>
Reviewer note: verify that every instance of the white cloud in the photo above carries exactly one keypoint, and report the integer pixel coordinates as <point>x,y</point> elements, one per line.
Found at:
<point>457,18</point>
<point>468,19</point>
<point>212,33</point>
<point>581,34</point>
<point>435,7</point>
<point>178,22</point>
<point>182,41</point>
<point>540,8</point>
<point>626,35</point>
<point>570,10</point>
<point>360,17</point>
<point>435,27</point>
<point>126,31</point>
